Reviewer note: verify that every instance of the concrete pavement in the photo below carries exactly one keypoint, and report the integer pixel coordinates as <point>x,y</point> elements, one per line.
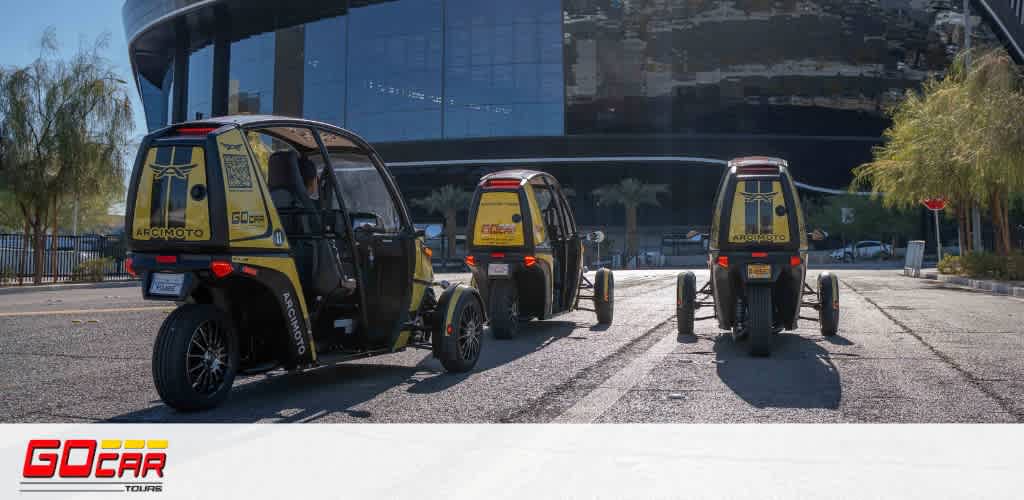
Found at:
<point>908,351</point>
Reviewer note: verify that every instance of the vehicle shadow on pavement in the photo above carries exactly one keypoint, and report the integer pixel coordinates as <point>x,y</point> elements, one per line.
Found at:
<point>532,337</point>
<point>337,390</point>
<point>798,374</point>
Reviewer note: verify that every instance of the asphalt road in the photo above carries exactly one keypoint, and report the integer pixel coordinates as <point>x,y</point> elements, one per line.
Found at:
<point>908,351</point>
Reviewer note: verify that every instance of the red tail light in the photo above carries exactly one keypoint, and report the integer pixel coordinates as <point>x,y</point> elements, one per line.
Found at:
<point>251,271</point>
<point>529,260</point>
<point>166,259</point>
<point>759,254</point>
<point>795,260</point>
<point>723,261</point>
<point>470,260</point>
<point>497,255</point>
<point>129,269</point>
<point>502,183</point>
<point>221,268</point>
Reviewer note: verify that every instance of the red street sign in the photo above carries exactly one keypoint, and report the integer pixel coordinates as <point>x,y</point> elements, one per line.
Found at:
<point>934,204</point>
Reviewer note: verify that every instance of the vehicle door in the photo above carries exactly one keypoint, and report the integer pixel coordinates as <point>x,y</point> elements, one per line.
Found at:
<point>573,268</point>
<point>554,224</point>
<point>383,235</point>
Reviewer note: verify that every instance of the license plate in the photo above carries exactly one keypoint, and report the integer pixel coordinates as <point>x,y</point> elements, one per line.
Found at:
<point>759,271</point>
<point>166,284</point>
<point>497,269</point>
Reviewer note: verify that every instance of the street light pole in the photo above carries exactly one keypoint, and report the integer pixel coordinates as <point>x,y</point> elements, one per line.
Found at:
<point>975,210</point>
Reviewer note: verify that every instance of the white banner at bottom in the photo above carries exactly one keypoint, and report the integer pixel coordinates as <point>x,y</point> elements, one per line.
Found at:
<point>253,461</point>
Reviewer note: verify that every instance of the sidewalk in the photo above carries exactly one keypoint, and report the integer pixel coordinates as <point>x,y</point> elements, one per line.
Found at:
<point>27,288</point>
<point>1011,288</point>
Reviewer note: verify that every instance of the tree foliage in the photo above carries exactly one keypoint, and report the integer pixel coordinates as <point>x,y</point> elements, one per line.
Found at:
<point>64,127</point>
<point>962,138</point>
<point>630,193</point>
<point>867,218</point>
<point>448,201</point>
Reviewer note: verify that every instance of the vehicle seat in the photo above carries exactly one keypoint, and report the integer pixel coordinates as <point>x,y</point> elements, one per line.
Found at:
<point>316,257</point>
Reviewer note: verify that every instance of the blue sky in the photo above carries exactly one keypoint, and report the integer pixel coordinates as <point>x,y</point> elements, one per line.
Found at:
<point>75,21</point>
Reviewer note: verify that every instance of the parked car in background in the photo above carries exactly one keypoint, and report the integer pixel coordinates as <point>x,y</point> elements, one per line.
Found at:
<point>862,250</point>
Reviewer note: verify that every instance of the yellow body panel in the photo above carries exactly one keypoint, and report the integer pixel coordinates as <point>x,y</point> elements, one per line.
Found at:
<point>494,225</point>
<point>754,204</point>
<point>286,266</point>
<point>251,220</point>
<point>165,208</point>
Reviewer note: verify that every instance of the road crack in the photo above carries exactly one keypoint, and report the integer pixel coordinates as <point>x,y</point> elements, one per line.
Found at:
<point>977,382</point>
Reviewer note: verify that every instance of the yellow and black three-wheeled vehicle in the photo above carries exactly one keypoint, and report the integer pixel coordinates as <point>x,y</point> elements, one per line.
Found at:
<point>758,260</point>
<point>287,245</point>
<point>526,254</point>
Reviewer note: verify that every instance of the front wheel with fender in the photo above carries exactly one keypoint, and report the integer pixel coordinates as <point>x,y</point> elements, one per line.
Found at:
<point>195,358</point>
<point>828,298</point>
<point>759,320</point>
<point>604,295</point>
<point>686,301</point>
<point>458,336</point>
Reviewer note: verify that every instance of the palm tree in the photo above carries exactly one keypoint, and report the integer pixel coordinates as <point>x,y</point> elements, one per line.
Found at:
<point>630,193</point>
<point>448,200</point>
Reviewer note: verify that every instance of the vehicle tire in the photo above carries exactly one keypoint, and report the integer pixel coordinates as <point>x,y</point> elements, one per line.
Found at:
<point>759,320</point>
<point>686,301</point>
<point>604,295</point>
<point>828,297</point>
<point>459,337</point>
<point>503,309</point>
<point>195,358</point>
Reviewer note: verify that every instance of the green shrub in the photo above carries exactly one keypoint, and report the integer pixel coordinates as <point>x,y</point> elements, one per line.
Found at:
<point>984,265</point>
<point>92,270</point>
<point>950,264</point>
<point>7,274</point>
<point>1015,266</point>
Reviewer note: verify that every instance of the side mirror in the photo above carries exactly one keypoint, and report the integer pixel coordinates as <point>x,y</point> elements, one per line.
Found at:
<point>593,237</point>
<point>421,233</point>
<point>818,235</point>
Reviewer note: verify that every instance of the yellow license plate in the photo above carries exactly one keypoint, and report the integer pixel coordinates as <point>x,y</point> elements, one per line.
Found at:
<point>759,271</point>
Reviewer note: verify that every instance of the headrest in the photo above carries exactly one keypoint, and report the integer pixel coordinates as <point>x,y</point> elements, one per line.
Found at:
<point>308,169</point>
<point>283,171</point>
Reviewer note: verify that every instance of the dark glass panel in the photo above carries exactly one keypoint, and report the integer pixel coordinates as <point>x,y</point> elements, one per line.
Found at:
<point>156,99</point>
<point>251,75</point>
<point>503,70</point>
<point>323,96</point>
<point>200,84</point>
<point>815,67</point>
<point>394,70</point>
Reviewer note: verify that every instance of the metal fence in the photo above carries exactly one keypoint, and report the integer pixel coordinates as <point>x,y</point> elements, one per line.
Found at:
<point>87,257</point>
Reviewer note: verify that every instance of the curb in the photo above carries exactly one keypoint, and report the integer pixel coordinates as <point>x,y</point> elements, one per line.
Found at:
<point>985,285</point>
<point>8,290</point>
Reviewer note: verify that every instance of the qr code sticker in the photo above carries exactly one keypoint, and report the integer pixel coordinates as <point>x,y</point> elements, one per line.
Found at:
<point>237,168</point>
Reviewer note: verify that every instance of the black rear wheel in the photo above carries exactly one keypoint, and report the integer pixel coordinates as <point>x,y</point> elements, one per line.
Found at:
<point>828,297</point>
<point>604,295</point>
<point>195,358</point>
<point>686,301</point>
<point>759,320</point>
<point>503,309</point>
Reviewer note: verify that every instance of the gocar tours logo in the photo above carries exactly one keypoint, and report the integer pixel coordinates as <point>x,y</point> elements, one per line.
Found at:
<point>88,465</point>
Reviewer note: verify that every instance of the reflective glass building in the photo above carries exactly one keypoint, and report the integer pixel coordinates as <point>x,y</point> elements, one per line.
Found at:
<point>590,90</point>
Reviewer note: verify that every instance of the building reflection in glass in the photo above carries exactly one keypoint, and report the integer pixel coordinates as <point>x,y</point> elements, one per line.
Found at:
<point>823,67</point>
<point>251,75</point>
<point>200,84</point>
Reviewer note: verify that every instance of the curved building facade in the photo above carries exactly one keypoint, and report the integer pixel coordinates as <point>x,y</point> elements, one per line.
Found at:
<point>590,90</point>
